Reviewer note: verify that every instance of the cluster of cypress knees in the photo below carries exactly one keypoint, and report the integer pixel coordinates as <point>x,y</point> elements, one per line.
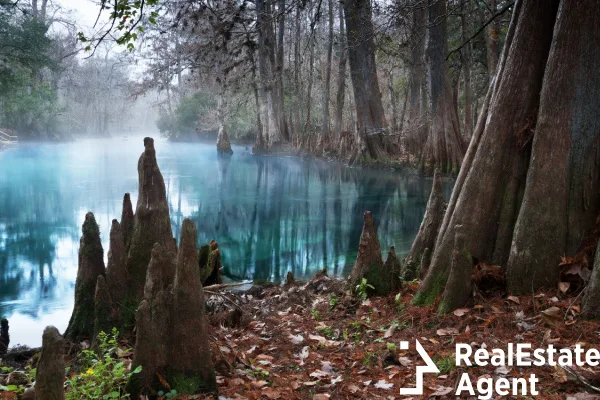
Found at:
<point>155,286</point>
<point>148,283</point>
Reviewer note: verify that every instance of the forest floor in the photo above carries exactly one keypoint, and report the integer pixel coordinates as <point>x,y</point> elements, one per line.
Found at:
<point>316,341</point>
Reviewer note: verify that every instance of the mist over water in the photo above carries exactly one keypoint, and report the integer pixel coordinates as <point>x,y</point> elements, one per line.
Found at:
<point>270,215</point>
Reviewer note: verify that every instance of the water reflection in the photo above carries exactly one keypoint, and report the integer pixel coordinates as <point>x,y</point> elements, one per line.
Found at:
<point>270,215</point>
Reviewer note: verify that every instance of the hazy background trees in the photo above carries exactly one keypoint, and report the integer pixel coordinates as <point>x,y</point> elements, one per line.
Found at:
<point>357,79</point>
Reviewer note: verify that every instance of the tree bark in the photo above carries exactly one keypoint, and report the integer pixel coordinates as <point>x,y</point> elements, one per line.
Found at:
<point>281,120</point>
<point>223,144</point>
<point>591,300</point>
<point>341,83</point>
<point>393,106</point>
<point>417,106</point>
<point>363,70</point>
<point>562,196</point>
<point>444,147</point>
<point>492,40</point>
<point>267,72</point>
<point>458,289</point>
<point>297,71</point>
<point>466,70</point>
<point>152,223</point>
<point>325,131</point>
<point>91,265</point>
<point>172,336</point>
<point>369,263</point>
<point>50,372</point>
<point>428,231</point>
<point>488,190</point>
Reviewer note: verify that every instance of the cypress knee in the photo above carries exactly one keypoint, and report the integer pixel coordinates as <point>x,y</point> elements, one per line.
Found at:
<point>50,372</point>
<point>91,265</point>
<point>172,336</point>
<point>152,223</point>
<point>369,263</point>
<point>4,336</point>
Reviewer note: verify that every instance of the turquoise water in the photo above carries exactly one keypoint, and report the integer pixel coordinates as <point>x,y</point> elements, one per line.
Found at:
<point>270,215</point>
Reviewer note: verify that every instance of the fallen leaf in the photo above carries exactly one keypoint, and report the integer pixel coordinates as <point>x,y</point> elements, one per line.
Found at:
<point>311,383</point>
<point>447,331</point>
<point>564,286</point>
<point>271,393</point>
<point>296,339</point>
<point>552,313</point>
<point>461,311</point>
<point>514,299</point>
<point>390,332</point>
<point>353,388</point>
<point>382,384</point>
<point>442,391</point>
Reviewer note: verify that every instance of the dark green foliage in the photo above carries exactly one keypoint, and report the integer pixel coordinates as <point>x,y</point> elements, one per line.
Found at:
<point>27,103</point>
<point>184,120</point>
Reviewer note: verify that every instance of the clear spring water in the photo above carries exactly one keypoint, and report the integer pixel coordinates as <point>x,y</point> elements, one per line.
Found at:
<point>269,214</point>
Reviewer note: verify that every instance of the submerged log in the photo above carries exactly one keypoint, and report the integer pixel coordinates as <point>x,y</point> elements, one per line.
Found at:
<point>369,263</point>
<point>432,220</point>
<point>91,265</point>
<point>172,336</point>
<point>50,372</point>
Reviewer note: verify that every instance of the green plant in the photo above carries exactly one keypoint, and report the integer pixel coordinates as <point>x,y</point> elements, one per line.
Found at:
<point>327,331</point>
<point>362,289</point>
<point>103,375</point>
<point>333,301</point>
<point>369,359</point>
<point>445,364</point>
<point>391,346</point>
<point>315,314</point>
<point>169,394</point>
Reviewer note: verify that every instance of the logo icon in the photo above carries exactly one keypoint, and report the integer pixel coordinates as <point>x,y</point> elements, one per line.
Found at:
<point>429,367</point>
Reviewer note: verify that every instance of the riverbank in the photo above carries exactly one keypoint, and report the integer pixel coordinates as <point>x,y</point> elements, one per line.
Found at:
<point>316,340</point>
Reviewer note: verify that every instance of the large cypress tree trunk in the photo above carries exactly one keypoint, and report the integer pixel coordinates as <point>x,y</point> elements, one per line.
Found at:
<point>562,196</point>
<point>417,107</point>
<point>487,195</point>
<point>341,83</point>
<point>466,69</point>
<point>367,97</point>
<point>444,147</point>
<point>326,90</point>
<point>281,121</point>
<point>266,70</point>
<point>491,40</point>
